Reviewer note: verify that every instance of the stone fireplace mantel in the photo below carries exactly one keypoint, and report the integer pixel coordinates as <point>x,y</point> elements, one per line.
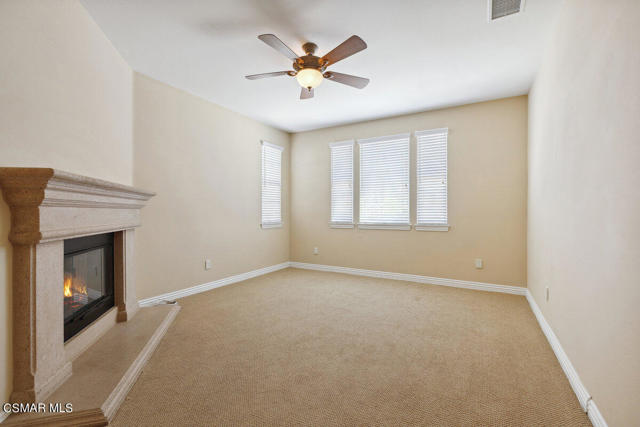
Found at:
<point>48,206</point>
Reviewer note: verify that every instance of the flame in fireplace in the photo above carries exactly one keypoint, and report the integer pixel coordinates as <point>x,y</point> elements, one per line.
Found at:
<point>73,285</point>
<point>67,285</point>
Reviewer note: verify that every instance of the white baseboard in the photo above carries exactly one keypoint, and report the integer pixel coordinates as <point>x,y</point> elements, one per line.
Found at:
<point>3,415</point>
<point>586,402</point>
<point>594,414</point>
<point>479,286</point>
<point>211,285</point>
<point>516,290</point>
<point>579,388</point>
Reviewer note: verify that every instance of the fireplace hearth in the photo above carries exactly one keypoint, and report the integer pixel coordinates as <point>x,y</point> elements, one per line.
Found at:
<point>88,281</point>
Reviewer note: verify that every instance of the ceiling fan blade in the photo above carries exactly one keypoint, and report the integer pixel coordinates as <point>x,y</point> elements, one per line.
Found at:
<point>347,79</point>
<point>306,93</point>
<point>353,44</point>
<point>265,75</point>
<point>278,45</point>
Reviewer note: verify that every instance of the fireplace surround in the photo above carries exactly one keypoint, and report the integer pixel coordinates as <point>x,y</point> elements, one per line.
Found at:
<point>49,206</point>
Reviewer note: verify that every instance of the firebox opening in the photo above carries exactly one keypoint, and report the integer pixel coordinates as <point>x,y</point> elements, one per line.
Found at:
<point>88,281</point>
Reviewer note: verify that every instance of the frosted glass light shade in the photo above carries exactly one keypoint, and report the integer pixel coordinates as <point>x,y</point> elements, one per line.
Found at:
<point>309,77</point>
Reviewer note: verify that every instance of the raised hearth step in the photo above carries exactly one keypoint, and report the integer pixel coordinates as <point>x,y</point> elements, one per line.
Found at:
<point>106,371</point>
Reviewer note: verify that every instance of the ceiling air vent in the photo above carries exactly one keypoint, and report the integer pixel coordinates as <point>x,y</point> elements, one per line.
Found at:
<point>501,8</point>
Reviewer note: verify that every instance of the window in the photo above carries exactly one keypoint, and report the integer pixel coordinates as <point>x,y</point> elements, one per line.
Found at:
<point>342,184</point>
<point>431,177</point>
<point>271,185</point>
<point>384,182</point>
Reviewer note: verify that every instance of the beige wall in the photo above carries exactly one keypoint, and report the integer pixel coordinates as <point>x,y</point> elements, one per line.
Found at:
<point>584,198</point>
<point>203,161</point>
<point>65,102</point>
<point>487,198</point>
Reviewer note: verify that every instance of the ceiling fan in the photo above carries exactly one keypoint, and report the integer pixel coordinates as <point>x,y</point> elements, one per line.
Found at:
<point>310,70</point>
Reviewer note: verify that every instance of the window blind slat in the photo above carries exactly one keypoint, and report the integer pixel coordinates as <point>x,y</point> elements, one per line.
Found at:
<point>431,177</point>
<point>271,184</point>
<point>342,182</point>
<point>384,180</point>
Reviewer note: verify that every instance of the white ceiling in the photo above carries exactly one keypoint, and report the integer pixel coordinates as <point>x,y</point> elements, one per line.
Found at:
<point>422,54</point>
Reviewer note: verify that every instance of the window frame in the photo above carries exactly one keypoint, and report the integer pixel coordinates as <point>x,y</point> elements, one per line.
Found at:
<point>382,225</point>
<point>432,226</point>
<point>342,224</point>
<point>279,223</point>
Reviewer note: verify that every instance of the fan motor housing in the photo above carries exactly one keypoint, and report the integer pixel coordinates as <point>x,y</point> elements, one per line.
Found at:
<point>309,61</point>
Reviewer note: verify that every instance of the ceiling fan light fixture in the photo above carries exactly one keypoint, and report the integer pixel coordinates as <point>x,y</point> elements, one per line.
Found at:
<point>309,78</point>
<point>308,69</point>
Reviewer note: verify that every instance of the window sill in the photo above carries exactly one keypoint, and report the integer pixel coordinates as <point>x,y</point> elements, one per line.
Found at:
<point>385,226</point>
<point>427,227</point>
<point>340,225</point>
<point>272,225</point>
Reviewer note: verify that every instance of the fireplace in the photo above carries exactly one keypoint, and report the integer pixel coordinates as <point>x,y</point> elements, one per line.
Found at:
<point>88,281</point>
<point>52,212</point>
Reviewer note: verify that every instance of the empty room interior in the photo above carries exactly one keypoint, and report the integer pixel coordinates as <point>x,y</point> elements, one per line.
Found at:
<point>371,213</point>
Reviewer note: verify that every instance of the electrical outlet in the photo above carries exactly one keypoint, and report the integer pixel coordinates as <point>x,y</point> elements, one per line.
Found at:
<point>546,293</point>
<point>315,250</point>
<point>479,263</point>
<point>207,264</point>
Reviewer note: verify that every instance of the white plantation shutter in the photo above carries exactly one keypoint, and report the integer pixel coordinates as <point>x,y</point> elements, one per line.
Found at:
<point>431,177</point>
<point>384,181</point>
<point>271,185</point>
<point>341,183</point>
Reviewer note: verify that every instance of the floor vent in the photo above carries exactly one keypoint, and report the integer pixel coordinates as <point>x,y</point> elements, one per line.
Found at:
<point>501,8</point>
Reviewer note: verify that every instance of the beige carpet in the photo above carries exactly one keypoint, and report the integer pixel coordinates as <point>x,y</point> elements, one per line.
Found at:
<point>310,348</point>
